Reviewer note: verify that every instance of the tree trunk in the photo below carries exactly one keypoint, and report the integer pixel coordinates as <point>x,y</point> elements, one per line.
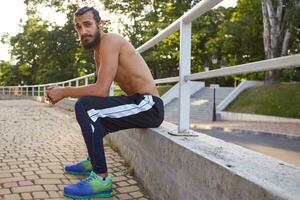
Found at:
<point>285,44</point>
<point>274,43</point>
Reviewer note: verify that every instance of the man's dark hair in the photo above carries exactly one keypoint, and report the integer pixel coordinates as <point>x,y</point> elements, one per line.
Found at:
<point>85,9</point>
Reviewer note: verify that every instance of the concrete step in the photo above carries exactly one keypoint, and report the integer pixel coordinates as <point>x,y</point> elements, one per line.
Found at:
<point>201,107</point>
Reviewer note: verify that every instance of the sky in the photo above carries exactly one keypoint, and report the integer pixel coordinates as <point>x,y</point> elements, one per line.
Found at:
<point>10,21</point>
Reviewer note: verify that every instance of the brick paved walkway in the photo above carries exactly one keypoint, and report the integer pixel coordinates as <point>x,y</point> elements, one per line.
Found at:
<point>36,141</point>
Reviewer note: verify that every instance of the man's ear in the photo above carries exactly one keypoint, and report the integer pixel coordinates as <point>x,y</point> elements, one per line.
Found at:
<point>101,24</point>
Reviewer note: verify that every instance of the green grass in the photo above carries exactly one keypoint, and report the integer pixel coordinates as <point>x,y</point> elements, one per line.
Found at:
<point>161,90</point>
<point>277,100</point>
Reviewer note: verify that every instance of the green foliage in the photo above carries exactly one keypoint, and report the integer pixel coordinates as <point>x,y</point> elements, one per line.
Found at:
<point>293,24</point>
<point>44,52</point>
<point>47,53</point>
<point>270,100</point>
<point>216,32</point>
<point>8,74</point>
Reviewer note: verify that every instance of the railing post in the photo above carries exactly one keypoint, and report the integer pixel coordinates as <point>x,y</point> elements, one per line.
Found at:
<point>86,81</point>
<point>39,91</point>
<point>77,83</point>
<point>70,84</point>
<point>32,91</point>
<point>27,91</point>
<point>184,69</point>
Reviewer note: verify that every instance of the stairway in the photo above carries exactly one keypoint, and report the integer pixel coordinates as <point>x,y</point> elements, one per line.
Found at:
<point>201,106</point>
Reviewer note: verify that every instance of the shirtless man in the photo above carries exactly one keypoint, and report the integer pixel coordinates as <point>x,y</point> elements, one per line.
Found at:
<point>97,113</point>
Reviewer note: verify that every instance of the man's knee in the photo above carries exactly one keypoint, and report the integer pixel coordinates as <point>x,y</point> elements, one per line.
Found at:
<point>81,104</point>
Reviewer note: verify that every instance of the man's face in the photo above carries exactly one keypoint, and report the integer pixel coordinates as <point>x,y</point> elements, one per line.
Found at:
<point>88,30</point>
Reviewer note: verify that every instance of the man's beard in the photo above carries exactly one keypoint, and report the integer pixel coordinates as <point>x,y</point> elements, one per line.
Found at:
<point>92,44</point>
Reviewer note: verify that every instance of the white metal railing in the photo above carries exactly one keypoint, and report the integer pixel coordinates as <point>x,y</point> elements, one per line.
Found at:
<point>184,24</point>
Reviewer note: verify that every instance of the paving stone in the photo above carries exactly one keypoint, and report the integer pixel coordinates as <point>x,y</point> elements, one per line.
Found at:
<point>24,166</point>
<point>26,196</point>
<point>65,181</point>
<point>131,181</point>
<point>31,169</point>
<point>11,184</point>
<point>119,178</point>
<point>5,175</point>
<point>136,194</point>
<point>27,173</point>
<point>52,176</point>
<point>123,196</point>
<point>11,179</point>
<point>43,171</point>
<point>13,170</point>
<point>51,187</point>
<point>4,191</point>
<point>32,177</point>
<point>40,195</point>
<point>31,188</point>
<point>25,183</point>
<point>47,181</point>
<point>57,171</point>
<point>12,197</point>
<point>122,183</point>
<point>54,194</point>
<point>128,189</point>
<point>17,174</point>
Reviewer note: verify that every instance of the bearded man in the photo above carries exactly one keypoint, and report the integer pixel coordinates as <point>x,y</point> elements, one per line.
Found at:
<point>99,114</point>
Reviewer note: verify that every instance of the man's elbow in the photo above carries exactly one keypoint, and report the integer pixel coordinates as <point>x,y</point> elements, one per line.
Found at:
<point>99,92</point>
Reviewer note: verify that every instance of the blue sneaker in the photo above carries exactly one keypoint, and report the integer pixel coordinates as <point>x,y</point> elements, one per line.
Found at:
<point>91,187</point>
<point>82,168</point>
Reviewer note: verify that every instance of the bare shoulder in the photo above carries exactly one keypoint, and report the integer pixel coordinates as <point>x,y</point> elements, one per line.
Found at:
<point>116,42</point>
<point>112,38</point>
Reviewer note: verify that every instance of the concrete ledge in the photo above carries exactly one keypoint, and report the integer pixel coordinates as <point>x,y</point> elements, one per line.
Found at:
<point>231,116</point>
<point>172,167</point>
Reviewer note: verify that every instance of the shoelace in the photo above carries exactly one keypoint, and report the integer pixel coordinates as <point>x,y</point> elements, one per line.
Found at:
<point>88,179</point>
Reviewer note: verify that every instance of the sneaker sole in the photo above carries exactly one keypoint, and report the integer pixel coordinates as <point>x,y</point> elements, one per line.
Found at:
<point>104,194</point>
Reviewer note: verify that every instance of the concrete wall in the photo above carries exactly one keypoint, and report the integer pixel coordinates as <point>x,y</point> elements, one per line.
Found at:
<point>238,90</point>
<point>190,168</point>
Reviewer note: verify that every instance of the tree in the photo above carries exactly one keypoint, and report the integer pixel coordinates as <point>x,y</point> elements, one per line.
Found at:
<point>48,53</point>
<point>8,74</point>
<point>278,22</point>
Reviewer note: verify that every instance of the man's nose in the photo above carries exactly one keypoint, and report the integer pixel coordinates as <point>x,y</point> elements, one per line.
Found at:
<point>83,31</point>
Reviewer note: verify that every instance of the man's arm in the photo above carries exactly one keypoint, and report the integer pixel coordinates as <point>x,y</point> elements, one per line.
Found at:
<point>110,48</point>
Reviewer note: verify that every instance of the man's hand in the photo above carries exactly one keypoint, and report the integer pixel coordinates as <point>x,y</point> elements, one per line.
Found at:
<point>54,94</point>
